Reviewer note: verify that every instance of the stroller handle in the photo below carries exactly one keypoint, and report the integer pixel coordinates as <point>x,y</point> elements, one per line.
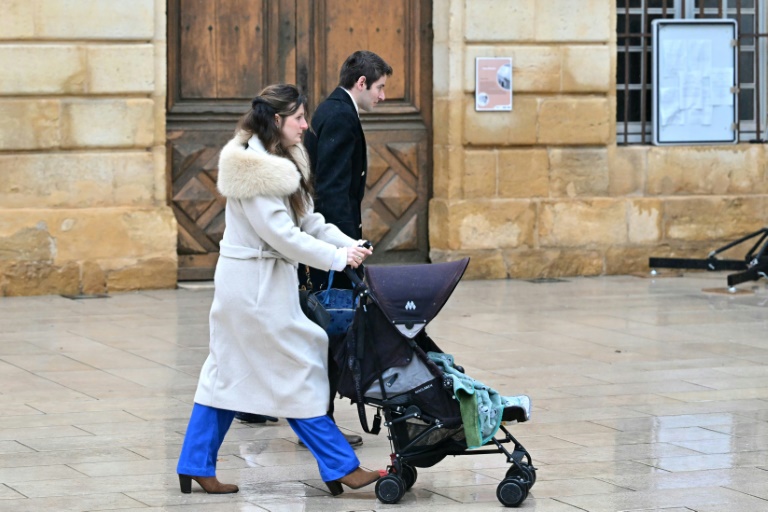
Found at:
<point>354,276</point>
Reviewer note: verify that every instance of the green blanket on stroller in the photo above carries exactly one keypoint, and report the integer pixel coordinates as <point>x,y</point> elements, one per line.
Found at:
<point>481,406</point>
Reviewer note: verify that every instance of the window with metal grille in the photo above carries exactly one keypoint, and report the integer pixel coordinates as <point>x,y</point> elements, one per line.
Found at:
<point>633,64</point>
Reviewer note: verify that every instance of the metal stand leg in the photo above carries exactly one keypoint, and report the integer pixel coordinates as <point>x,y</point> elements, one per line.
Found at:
<point>752,267</point>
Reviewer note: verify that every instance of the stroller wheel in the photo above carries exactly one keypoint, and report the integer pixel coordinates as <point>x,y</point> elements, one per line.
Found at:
<point>531,473</point>
<point>511,492</point>
<point>390,489</point>
<point>409,475</point>
<point>523,471</point>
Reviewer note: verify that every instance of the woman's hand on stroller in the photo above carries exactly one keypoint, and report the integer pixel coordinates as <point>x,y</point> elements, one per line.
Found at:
<point>357,254</point>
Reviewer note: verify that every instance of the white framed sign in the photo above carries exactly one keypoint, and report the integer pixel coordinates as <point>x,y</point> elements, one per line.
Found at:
<point>695,78</point>
<point>493,84</point>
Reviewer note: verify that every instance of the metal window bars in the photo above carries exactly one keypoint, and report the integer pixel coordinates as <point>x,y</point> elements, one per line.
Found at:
<point>633,69</point>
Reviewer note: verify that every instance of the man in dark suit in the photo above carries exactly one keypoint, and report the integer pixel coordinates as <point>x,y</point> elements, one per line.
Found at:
<point>337,151</point>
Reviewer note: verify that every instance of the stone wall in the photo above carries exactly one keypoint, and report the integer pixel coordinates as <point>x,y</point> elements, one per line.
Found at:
<point>537,192</point>
<point>82,148</point>
<point>544,190</point>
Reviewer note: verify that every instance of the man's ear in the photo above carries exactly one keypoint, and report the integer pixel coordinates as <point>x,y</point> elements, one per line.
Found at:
<point>361,82</point>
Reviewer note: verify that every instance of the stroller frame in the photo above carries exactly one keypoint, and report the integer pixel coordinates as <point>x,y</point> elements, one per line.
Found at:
<point>405,457</point>
<point>511,492</point>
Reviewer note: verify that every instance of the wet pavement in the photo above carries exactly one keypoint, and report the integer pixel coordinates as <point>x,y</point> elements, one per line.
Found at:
<point>648,394</point>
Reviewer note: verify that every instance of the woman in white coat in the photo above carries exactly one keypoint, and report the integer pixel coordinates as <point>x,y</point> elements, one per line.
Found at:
<point>266,357</point>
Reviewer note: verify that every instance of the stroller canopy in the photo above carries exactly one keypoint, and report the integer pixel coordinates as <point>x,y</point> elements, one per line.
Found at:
<point>411,296</point>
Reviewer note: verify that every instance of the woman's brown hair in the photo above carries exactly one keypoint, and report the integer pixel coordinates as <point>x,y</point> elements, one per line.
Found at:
<point>283,100</point>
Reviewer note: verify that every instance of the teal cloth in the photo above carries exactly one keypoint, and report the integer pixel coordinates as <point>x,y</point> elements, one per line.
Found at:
<point>481,406</point>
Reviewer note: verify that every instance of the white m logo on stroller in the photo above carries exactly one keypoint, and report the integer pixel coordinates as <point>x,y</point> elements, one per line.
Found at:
<point>410,306</point>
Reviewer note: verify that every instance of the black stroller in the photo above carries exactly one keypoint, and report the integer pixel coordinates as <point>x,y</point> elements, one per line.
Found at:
<point>384,364</point>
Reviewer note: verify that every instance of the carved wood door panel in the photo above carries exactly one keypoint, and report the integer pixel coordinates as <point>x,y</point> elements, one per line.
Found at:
<point>222,52</point>
<point>395,203</point>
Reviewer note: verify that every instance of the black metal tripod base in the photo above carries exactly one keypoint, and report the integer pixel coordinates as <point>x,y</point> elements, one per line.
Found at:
<point>710,264</point>
<point>752,267</point>
<point>753,273</point>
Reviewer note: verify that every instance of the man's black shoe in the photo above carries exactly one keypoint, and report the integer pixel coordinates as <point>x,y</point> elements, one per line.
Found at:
<point>354,439</point>
<point>247,417</point>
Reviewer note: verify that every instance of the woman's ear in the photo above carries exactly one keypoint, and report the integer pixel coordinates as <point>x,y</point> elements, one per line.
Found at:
<point>277,120</point>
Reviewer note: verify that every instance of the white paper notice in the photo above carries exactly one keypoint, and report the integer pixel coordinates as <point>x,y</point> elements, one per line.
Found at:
<point>699,55</point>
<point>702,114</point>
<point>692,89</point>
<point>669,105</point>
<point>672,59</point>
<point>721,83</point>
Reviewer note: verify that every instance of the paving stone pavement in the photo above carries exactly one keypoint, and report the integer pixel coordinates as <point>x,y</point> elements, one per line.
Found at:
<point>648,394</point>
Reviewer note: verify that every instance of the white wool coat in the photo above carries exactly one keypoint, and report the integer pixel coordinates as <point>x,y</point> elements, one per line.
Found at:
<point>266,356</point>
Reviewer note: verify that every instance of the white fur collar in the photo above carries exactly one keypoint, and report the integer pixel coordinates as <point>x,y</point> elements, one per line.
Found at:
<point>247,170</point>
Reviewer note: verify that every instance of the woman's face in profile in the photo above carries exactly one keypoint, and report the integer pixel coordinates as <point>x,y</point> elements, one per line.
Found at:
<point>292,127</point>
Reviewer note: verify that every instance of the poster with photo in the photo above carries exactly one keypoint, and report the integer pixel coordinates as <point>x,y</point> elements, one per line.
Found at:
<point>493,84</point>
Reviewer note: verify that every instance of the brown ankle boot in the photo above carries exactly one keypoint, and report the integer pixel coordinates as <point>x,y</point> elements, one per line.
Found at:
<point>355,480</point>
<point>209,484</point>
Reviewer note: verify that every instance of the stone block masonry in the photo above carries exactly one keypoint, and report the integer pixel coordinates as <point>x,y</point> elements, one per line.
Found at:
<point>544,190</point>
<point>82,148</point>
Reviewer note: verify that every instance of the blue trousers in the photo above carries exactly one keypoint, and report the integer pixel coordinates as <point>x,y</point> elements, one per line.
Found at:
<point>208,426</point>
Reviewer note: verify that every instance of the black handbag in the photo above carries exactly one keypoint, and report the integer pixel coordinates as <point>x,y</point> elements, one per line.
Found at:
<point>314,310</point>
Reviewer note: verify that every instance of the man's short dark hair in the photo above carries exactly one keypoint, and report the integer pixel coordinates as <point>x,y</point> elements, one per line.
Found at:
<point>363,63</point>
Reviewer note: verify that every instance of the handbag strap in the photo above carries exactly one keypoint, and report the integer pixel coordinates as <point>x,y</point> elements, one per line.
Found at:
<point>325,295</point>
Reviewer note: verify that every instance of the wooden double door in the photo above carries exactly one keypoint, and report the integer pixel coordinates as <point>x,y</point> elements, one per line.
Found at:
<point>222,52</point>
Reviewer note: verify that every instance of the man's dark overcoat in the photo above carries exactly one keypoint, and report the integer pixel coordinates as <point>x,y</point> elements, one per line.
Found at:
<point>338,155</point>
<point>337,151</point>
